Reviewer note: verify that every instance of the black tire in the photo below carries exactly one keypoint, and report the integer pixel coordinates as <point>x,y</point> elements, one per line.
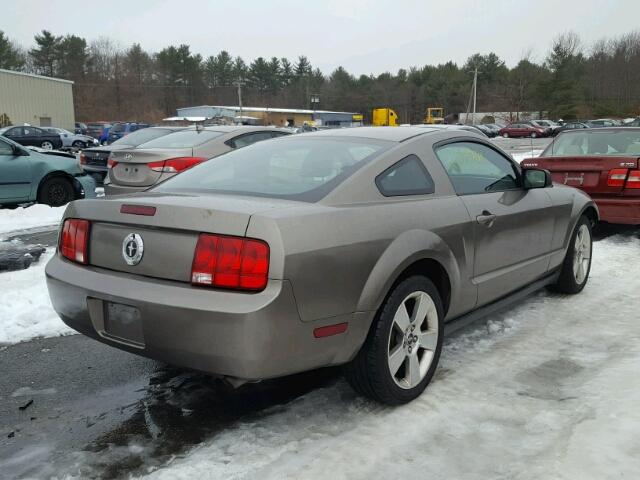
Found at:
<point>47,145</point>
<point>567,282</point>
<point>369,372</point>
<point>78,144</point>
<point>56,191</point>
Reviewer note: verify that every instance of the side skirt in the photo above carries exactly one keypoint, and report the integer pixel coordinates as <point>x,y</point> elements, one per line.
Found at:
<point>499,305</point>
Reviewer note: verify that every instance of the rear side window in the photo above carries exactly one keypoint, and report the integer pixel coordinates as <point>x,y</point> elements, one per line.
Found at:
<point>142,136</point>
<point>183,139</point>
<point>475,168</point>
<point>407,177</point>
<point>248,139</point>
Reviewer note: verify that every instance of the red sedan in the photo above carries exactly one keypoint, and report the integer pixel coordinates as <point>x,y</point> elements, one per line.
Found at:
<point>522,130</point>
<point>604,162</point>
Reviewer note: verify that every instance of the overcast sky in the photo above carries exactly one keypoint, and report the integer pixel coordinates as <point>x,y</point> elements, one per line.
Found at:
<point>365,36</point>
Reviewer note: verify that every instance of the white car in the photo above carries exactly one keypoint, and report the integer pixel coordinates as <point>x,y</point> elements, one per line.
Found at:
<point>72,140</point>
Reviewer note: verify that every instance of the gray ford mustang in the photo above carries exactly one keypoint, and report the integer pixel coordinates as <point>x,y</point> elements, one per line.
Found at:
<point>359,246</point>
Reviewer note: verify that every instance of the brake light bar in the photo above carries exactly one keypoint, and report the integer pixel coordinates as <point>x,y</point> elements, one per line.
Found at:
<point>230,262</point>
<point>617,176</point>
<point>74,240</point>
<point>145,210</point>
<point>175,165</point>
<point>634,179</point>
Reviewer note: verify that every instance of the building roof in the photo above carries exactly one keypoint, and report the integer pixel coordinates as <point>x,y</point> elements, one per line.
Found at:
<point>267,109</point>
<point>23,74</point>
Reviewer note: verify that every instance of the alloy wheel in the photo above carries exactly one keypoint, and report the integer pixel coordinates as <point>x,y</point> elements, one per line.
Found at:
<point>47,145</point>
<point>582,254</point>
<point>413,339</point>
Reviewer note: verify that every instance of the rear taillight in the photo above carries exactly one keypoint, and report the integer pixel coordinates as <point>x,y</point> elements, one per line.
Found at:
<point>230,262</point>
<point>175,165</point>
<point>74,240</point>
<point>111,163</point>
<point>83,159</point>
<point>634,179</point>
<point>617,176</point>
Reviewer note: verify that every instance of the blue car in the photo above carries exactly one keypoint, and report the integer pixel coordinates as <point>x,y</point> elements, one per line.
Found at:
<point>29,176</point>
<point>122,129</point>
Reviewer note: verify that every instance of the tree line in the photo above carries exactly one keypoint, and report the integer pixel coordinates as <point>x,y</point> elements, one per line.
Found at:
<point>573,81</point>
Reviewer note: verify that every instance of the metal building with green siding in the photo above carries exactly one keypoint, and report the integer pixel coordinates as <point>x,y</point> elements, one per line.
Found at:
<point>36,100</point>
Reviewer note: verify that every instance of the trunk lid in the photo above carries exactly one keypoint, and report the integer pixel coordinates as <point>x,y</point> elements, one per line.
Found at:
<point>170,234</point>
<point>588,173</point>
<point>132,169</point>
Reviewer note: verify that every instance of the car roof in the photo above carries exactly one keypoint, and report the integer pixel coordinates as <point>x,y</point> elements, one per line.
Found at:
<point>603,130</point>
<point>393,134</point>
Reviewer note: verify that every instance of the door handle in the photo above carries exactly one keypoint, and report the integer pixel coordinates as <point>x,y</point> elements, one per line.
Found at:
<point>487,218</point>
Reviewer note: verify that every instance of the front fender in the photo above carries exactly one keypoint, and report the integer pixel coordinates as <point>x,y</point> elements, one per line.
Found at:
<point>406,249</point>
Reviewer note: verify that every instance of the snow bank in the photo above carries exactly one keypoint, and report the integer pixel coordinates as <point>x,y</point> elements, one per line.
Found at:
<point>25,309</point>
<point>546,390</point>
<point>33,216</point>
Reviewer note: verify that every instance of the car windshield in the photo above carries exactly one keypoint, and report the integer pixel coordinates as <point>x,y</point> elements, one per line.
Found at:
<point>183,139</point>
<point>303,169</point>
<point>118,127</point>
<point>595,142</point>
<point>142,136</point>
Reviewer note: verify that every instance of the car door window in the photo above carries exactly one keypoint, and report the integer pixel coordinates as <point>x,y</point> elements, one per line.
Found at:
<point>6,149</point>
<point>477,168</point>
<point>406,177</point>
<point>250,138</point>
<point>31,132</point>
<point>14,132</point>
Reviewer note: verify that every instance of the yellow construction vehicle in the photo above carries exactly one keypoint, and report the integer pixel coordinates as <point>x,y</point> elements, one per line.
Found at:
<point>434,115</point>
<point>384,117</point>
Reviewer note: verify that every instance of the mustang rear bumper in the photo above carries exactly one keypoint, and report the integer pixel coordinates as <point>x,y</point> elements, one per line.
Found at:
<point>619,210</point>
<point>246,336</point>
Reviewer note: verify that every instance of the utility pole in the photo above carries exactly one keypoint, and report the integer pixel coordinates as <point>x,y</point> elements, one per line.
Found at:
<point>239,83</point>
<point>472,98</point>
<point>475,89</point>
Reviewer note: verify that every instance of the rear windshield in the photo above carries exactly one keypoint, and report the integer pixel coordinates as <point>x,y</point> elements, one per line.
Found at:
<point>183,139</point>
<point>142,136</point>
<point>595,142</point>
<point>299,168</point>
<point>118,127</point>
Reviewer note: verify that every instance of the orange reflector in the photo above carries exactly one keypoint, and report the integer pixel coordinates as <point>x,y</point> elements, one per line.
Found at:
<point>330,330</point>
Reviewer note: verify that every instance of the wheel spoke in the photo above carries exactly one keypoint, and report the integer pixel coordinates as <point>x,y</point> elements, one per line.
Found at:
<point>428,340</point>
<point>396,359</point>
<point>401,317</point>
<point>414,370</point>
<point>580,273</point>
<point>422,308</point>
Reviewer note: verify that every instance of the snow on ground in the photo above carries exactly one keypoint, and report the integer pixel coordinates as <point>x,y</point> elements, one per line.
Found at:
<point>34,216</point>
<point>25,308</point>
<point>549,389</point>
<point>520,156</point>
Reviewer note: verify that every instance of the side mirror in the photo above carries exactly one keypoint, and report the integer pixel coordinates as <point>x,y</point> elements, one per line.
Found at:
<point>536,178</point>
<point>20,152</point>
